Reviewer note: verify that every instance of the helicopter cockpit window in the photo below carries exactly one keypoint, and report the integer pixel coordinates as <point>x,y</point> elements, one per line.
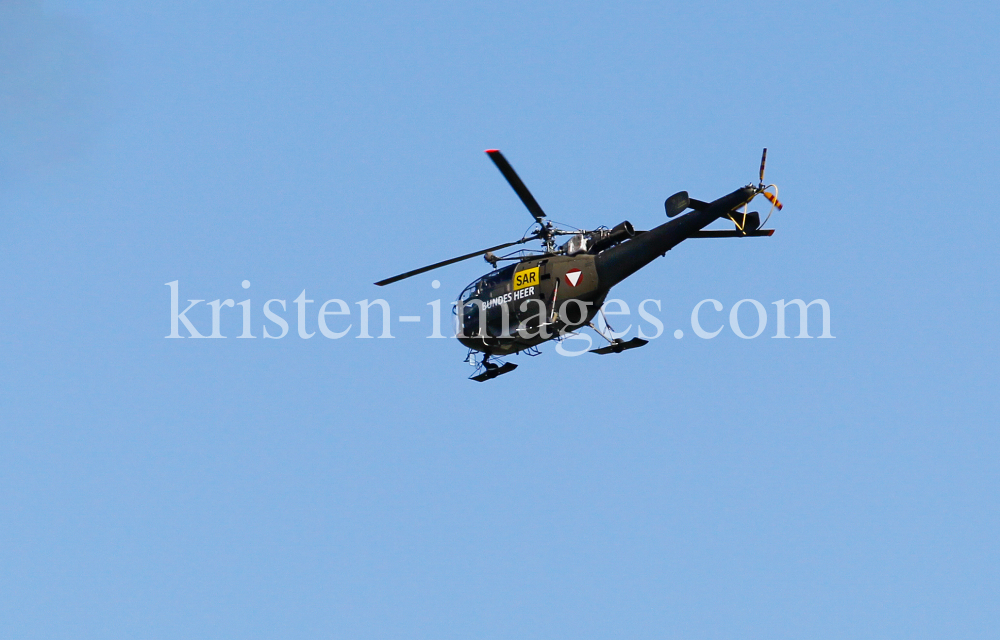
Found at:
<point>501,275</point>
<point>475,294</point>
<point>488,281</point>
<point>468,292</point>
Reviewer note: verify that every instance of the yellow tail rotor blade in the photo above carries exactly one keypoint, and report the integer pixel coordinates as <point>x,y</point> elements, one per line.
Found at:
<point>774,200</point>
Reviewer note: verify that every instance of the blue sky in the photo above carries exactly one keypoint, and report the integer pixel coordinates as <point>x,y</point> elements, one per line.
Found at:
<point>155,488</point>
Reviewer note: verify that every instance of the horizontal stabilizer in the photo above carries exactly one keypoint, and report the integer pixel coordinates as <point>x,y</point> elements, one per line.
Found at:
<point>697,205</point>
<point>620,345</point>
<point>726,233</point>
<point>489,374</point>
<point>677,203</point>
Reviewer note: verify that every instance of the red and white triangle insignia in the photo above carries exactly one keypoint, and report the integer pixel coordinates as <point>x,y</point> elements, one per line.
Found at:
<point>573,277</point>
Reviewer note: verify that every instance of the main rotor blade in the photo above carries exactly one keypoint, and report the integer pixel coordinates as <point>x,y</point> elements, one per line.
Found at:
<point>443,263</point>
<point>515,182</point>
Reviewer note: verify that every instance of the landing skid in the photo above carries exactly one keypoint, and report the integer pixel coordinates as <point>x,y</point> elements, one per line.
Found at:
<point>618,345</point>
<point>491,370</point>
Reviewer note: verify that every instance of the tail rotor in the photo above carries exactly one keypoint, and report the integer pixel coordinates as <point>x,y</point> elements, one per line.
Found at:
<point>763,189</point>
<point>746,221</point>
<point>766,190</point>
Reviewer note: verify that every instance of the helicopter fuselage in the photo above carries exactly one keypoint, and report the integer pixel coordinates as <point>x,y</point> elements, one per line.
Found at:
<point>541,297</point>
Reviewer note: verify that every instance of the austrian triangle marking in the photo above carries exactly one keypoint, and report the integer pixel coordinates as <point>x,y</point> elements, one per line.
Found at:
<point>573,277</point>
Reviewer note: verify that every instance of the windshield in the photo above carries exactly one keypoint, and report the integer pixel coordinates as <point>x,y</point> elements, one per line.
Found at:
<point>476,291</point>
<point>488,281</point>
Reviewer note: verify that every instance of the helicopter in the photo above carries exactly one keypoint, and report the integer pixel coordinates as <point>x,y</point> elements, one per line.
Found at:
<point>548,293</point>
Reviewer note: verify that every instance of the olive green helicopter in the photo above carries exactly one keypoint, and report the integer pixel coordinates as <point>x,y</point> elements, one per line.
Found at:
<point>548,293</point>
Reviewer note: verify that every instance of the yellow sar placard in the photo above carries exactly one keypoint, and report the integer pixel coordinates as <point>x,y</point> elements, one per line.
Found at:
<point>526,278</point>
